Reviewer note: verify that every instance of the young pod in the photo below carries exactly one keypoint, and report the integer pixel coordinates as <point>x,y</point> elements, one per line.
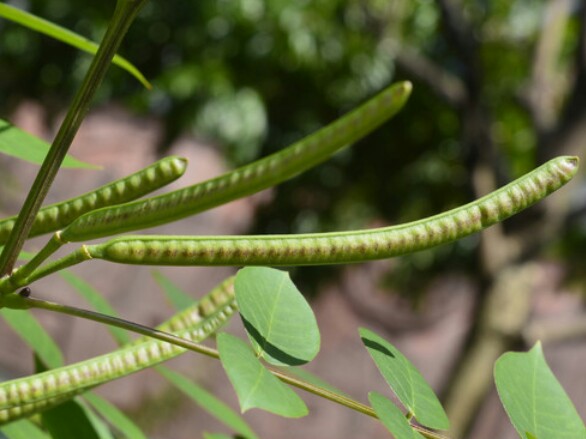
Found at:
<point>58,215</point>
<point>345,247</point>
<point>244,181</point>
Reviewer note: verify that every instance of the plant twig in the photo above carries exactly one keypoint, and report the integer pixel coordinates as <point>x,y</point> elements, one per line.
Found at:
<point>124,14</point>
<point>29,302</point>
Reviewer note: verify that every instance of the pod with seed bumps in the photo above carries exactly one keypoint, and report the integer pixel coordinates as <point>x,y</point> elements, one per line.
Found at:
<point>341,247</point>
<point>59,215</point>
<point>25,396</point>
<point>246,180</point>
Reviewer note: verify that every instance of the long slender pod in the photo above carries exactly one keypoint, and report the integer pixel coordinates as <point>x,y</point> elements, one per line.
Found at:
<point>56,216</point>
<point>25,396</point>
<point>246,180</point>
<point>343,247</point>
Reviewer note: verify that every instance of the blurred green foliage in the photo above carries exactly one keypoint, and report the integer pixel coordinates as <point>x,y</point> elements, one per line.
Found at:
<point>255,75</point>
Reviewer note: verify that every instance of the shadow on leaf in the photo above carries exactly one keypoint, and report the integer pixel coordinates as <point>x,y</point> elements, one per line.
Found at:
<point>377,346</point>
<point>272,350</point>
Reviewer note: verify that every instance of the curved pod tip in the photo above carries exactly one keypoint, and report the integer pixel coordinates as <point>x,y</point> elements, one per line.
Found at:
<point>407,87</point>
<point>571,163</point>
<point>180,163</point>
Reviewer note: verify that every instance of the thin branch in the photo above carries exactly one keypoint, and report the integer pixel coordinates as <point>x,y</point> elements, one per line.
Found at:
<point>205,350</point>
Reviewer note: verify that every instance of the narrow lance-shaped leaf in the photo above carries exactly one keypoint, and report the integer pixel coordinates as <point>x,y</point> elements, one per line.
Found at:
<point>536,403</point>
<point>178,298</point>
<point>115,417</point>
<point>66,36</point>
<point>255,386</point>
<point>23,429</point>
<point>22,145</point>
<point>34,335</point>
<point>209,402</point>
<point>73,420</point>
<point>278,319</point>
<point>217,436</point>
<point>406,381</point>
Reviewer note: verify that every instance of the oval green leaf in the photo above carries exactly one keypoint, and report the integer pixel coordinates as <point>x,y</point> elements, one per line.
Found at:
<point>534,399</point>
<point>22,145</point>
<point>406,381</point>
<point>392,418</point>
<point>279,321</point>
<point>255,386</point>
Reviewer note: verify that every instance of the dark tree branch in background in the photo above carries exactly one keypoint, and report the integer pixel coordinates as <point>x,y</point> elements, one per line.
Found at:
<point>505,260</point>
<point>444,84</point>
<point>461,37</point>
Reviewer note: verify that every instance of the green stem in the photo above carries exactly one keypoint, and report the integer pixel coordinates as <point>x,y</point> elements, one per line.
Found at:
<point>27,269</point>
<point>10,283</point>
<point>210,352</point>
<point>119,323</point>
<point>124,14</point>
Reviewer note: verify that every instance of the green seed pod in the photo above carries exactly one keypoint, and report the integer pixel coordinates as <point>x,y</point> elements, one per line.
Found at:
<point>57,216</point>
<point>25,396</point>
<point>244,181</point>
<point>345,247</point>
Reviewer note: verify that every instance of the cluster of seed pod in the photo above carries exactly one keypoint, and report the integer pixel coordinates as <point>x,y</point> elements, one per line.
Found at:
<point>341,247</point>
<point>247,180</point>
<point>58,215</point>
<point>24,396</point>
<point>107,212</point>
